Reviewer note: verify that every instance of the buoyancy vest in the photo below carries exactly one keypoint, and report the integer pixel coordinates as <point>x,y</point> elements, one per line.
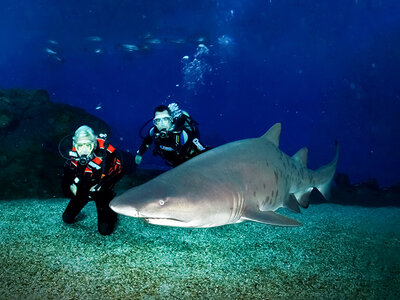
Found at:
<point>173,142</point>
<point>96,163</point>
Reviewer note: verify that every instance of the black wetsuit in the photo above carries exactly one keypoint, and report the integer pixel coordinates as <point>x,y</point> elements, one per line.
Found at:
<point>176,146</point>
<point>103,171</point>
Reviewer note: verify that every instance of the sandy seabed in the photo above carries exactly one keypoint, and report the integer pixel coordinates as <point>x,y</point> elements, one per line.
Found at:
<point>340,252</point>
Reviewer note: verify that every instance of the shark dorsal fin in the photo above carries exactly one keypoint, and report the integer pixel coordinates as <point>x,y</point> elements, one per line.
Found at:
<point>273,134</point>
<point>301,156</point>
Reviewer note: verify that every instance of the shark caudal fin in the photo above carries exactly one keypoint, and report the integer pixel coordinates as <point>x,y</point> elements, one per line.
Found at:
<point>327,172</point>
<point>322,178</point>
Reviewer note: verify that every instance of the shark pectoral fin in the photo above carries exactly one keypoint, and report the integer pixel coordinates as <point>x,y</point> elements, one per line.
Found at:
<point>269,217</point>
<point>291,203</point>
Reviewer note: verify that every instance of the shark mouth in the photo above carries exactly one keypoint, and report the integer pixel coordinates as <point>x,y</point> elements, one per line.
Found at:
<point>166,222</point>
<point>132,212</point>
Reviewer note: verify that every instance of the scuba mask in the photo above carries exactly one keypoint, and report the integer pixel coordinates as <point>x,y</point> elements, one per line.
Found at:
<point>163,121</point>
<point>85,151</point>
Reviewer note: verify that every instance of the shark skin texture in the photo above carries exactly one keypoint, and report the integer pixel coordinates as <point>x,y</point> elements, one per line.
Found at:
<point>245,180</point>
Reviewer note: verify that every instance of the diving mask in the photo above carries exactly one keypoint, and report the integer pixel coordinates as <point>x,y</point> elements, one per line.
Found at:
<point>85,151</point>
<point>163,121</point>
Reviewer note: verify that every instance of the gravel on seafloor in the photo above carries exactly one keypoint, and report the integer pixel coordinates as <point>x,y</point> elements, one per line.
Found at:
<point>340,252</point>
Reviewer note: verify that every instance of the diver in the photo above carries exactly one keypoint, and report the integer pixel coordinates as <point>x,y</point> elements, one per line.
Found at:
<point>90,174</point>
<point>175,136</point>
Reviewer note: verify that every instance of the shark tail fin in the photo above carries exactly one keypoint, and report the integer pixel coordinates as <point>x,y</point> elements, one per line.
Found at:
<point>321,188</point>
<point>328,172</point>
<point>325,190</point>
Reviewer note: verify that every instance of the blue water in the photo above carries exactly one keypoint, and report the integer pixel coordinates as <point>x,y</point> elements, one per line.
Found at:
<point>326,69</point>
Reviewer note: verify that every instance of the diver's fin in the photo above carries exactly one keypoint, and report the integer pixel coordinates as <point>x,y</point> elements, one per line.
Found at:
<point>269,217</point>
<point>301,156</point>
<point>273,134</point>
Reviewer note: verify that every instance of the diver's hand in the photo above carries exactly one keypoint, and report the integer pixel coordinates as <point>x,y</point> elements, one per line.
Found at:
<point>138,159</point>
<point>73,189</point>
<point>95,188</point>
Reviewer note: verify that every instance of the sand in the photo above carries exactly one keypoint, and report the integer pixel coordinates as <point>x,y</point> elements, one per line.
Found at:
<point>339,252</point>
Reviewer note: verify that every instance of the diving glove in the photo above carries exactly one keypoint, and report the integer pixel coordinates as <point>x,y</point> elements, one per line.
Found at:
<point>138,159</point>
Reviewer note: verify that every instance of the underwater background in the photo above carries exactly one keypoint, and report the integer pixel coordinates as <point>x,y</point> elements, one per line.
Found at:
<point>327,70</point>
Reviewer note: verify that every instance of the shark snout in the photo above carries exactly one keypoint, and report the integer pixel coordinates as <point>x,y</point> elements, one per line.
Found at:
<point>125,210</point>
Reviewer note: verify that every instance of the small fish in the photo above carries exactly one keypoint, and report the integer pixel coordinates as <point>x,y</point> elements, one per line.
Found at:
<point>128,47</point>
<point>94,39</point>
<point>54,55</point>
<point>98,51</point>
<point>53,42</point>
<point>99,106</point>
<point>153,41</point>
<point>177,41</point>
<point>50,51</point>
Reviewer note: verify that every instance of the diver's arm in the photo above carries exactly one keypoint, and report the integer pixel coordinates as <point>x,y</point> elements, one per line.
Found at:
<point>67,180</point>
<point>147,141</point>
<point>112,173</point>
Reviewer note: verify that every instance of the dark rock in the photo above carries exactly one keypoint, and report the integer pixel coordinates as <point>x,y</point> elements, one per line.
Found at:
<point>342,180</point>
<point>33,132</point>
<point>30,130</point>
<point>371,183</point>
<point>367,193</point>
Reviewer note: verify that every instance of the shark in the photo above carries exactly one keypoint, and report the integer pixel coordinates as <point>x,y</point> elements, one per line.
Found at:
<point>245,180</point>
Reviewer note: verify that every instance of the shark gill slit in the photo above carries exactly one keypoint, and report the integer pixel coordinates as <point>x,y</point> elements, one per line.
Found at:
<point>238,206</point>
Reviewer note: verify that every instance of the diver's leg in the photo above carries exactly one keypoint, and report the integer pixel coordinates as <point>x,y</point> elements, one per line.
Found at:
<point>106,217</point>
<point>73,208</point>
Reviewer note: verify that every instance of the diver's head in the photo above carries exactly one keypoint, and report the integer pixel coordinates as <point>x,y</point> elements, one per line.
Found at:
<point>85,142</point>
<point>162,118</point>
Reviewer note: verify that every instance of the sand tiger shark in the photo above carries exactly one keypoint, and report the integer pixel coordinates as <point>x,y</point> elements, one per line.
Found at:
<point>245,180</point>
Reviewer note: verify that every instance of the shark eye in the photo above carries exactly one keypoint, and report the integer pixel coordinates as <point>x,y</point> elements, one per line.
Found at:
<point>162,202</point>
